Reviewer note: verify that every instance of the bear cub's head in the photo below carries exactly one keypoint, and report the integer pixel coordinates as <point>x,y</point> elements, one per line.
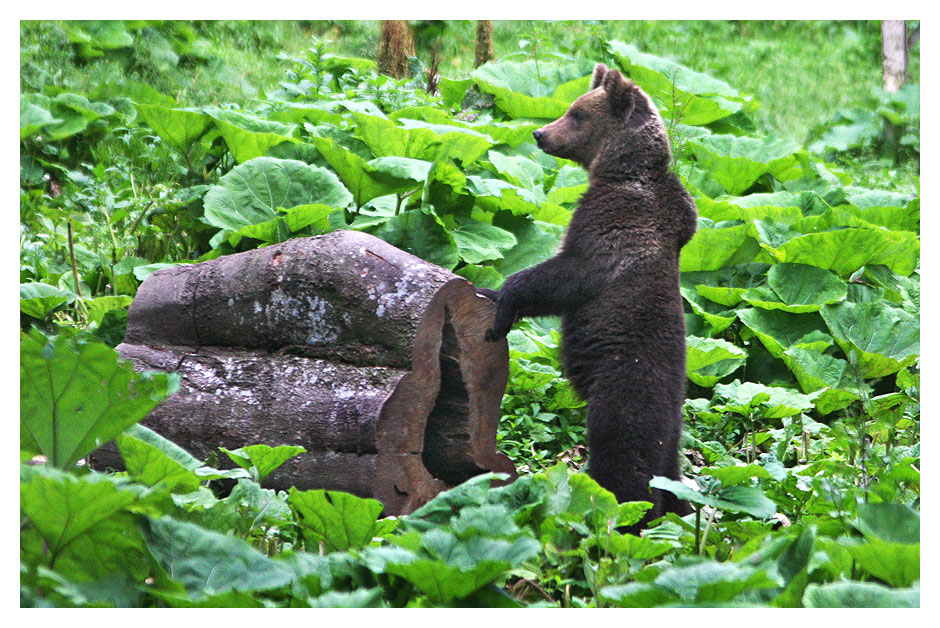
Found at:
<point>614,130</point>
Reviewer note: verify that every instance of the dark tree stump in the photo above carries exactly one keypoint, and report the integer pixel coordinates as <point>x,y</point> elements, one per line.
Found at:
<point>370,358</point>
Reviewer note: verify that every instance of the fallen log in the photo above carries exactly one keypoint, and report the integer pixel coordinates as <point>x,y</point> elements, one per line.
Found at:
<point>370,358</point>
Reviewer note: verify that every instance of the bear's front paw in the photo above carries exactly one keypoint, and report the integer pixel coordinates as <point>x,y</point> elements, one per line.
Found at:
<point>488,293</point>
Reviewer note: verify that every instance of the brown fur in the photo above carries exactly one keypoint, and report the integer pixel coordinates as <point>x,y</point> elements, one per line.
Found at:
<point>615,282</point>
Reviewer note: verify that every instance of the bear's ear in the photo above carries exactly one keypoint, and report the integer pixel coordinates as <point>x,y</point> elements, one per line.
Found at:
<point>619,93</point>
<point>600,70</point>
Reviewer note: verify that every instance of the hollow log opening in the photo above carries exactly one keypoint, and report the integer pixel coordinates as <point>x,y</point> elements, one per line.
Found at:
<point>447,434</point>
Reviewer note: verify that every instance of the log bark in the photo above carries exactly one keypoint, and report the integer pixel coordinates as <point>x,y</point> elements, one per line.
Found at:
<point>370,358</point>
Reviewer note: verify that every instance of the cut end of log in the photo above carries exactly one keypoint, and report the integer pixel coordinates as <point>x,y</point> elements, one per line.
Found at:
<point>370,358</point>
<point>449,401</point>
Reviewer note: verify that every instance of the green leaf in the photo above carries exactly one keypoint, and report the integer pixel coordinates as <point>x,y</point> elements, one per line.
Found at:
<point>152,459</point>
<point>779,330</point>
<point>775,402</point>
<point>339,520</point>
<point>782,207</point>
<point>360,598</point>
<point>859,595</point>
<point>737,162</point>
<point>734,475</point>
<point>711,249</point>
<point>797,288</point>
<point>477,242</point>
<point>443,583</point>
<point>262,458</point>
<point>245,144</point>
<point>77,393</point>
<point>369,180</point>
<point>481,276</point>
<point>708,360</point>
<point>692,97</point>
<point>387,139</point>
<point>39,300</point>
<point>846,250</point>
<point>252,192</point>
<point>65,507</point>
<point>180,128</point>
<point>878,339</point>
<point>895,523</point>
<point>33,117</point>
<point>208,563</point>
<point>897,564</point>
<point>749,500</point>
<point>637,548</point>
<point>420,233</point>
<point>100,306</point>
<point>817,371</point>
<point>533,89</point>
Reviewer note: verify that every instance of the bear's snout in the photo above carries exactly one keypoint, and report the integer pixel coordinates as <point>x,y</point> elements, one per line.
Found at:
<point>538,134</point>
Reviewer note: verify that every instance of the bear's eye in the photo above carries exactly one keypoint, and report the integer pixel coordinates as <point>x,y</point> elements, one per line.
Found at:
<point>577,115</point>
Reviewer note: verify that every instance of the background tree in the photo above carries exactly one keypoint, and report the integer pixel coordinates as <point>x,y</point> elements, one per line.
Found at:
<point>396,44</point>
<point>484,47</point>
<point>894,45</point>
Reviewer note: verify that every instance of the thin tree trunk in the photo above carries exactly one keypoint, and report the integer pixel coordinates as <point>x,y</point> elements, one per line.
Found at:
<point>894,68</point>
<point>396,44</point>
<point>484,48</point>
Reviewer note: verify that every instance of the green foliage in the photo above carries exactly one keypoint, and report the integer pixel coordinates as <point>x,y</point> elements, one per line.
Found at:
<point>801,288</point>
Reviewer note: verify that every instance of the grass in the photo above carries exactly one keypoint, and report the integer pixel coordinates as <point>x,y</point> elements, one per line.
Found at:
<point>802,72</point>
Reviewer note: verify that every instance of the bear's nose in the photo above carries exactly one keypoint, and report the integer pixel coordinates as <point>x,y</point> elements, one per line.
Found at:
<point>537,134</point>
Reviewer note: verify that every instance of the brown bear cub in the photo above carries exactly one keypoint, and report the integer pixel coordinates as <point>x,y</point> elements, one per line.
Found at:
<point>615,283</point>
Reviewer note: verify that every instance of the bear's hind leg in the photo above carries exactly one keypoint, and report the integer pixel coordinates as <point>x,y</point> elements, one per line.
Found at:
<point>625,451</point>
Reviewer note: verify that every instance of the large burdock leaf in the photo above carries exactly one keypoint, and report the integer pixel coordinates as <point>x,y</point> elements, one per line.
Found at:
<point>532,89</point>
<point>859,595</point>
<point>714,248</point>
<point>775,403</point>
<point>783,207</point>
<point>338,520</point>
<point>153,460</point>
<point>817,371</point>
<point>180,128</point>
<point>708,360</point>
<point>385,138</point>
<point>779,330</point>
<point>684,94</point>
<point>737,162</point>
<point>252,192</point>
<point>420,233</point>
<point>797,288</point>
<point>81,520</point>
<point>847,250</point>
<point>747,499</point>
<point>478,241</point>
<point>897,564</point>
<point>76,393</point>
<point>208,563</point>
<point>34,116</point>
<point>877,338</point>
<point>39,300</point>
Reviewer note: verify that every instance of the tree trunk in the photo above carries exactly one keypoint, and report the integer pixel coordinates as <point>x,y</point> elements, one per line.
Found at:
<point>370,358</point>
<point>484,47</point>
<point>396,44</point>
<point>894,68</point>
